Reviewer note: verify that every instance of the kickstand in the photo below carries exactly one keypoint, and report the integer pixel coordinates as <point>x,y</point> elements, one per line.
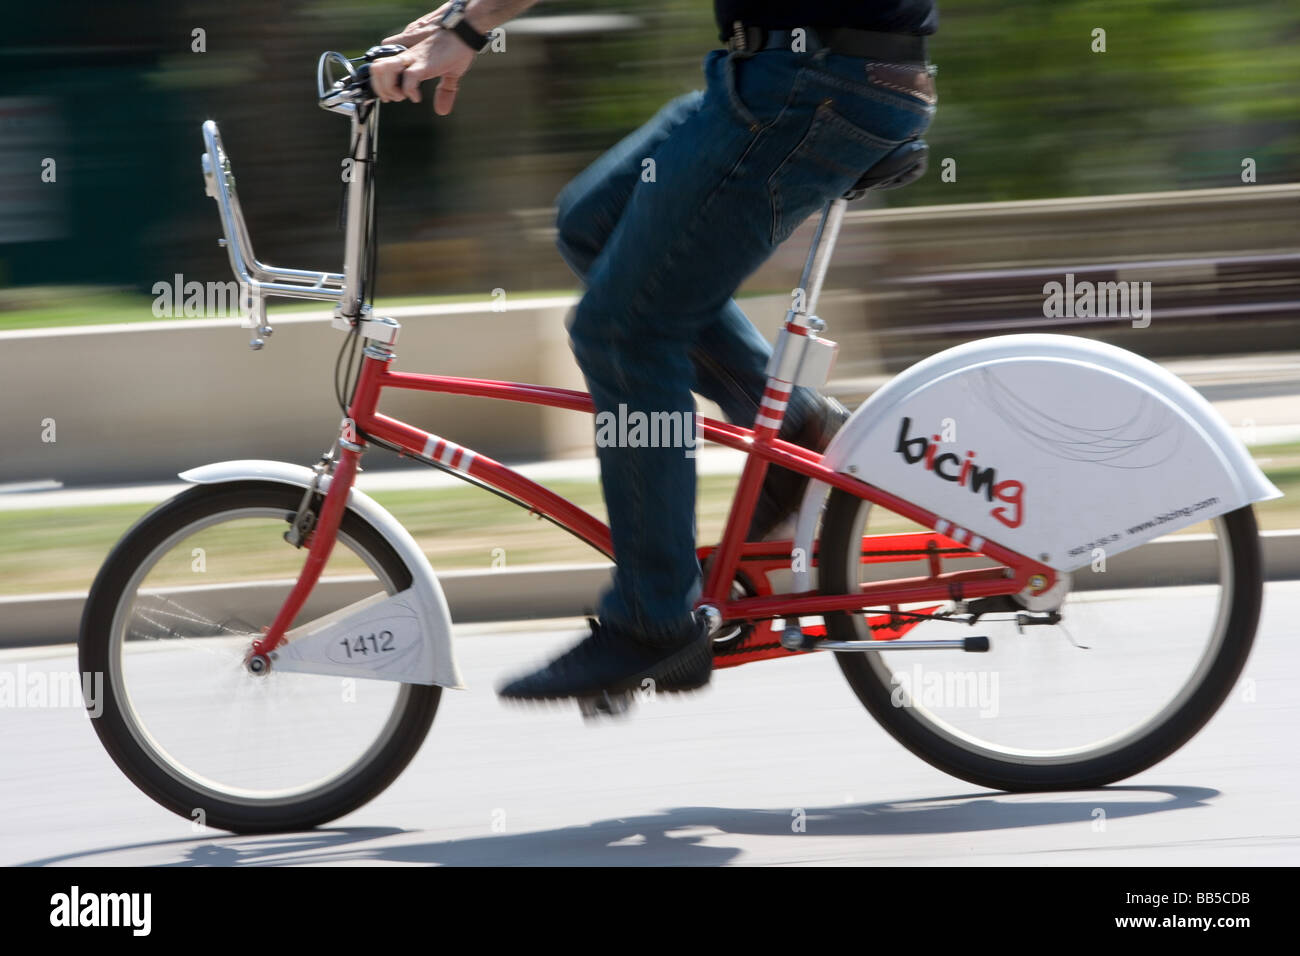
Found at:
<point>1070,637</point>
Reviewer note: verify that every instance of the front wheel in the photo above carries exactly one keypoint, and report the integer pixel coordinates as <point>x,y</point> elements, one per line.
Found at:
<point>168,621</point>
<point>1148,646</point>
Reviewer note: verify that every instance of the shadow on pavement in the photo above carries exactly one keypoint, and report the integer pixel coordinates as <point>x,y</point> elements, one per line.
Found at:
<point>683,836</point>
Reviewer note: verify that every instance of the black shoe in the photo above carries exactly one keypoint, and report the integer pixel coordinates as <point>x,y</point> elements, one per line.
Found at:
<point>609,663</point>
<point>783,489</point>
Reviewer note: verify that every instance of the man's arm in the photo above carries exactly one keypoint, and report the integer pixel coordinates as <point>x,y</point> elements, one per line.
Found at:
<point>434,52</point>
<point>485,15</point>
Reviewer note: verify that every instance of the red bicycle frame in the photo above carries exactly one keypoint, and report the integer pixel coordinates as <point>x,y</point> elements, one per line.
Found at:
<point>761,444</point>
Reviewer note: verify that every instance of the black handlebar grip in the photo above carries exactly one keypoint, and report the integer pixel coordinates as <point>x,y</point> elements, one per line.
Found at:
<point>386,49</point>
<point>361,81</point>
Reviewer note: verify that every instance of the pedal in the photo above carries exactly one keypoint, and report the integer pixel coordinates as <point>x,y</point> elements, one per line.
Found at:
<point>605,704</point>
<point>794,639</point>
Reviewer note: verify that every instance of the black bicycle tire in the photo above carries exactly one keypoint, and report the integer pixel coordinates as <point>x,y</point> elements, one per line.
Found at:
<point>911,730</point>
<point>203,501</point>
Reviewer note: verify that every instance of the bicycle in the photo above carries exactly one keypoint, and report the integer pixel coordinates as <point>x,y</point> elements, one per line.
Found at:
<point>273,697</point>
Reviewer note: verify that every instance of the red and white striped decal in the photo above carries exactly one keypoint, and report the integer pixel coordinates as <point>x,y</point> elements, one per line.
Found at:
<point>959,534</point>
<point>449,453</point>
<point>775,398</point>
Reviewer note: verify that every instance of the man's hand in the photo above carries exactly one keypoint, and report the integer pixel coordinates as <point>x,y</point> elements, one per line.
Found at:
<point>420,29</point>
<point>440,53</point>
<point>432,51</point>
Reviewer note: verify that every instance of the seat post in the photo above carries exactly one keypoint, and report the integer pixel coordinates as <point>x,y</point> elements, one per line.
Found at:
<point>801,356</point>
<point>819,258</point>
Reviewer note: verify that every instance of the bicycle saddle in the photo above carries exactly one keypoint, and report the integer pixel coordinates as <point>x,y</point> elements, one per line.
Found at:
<point>904,164</point>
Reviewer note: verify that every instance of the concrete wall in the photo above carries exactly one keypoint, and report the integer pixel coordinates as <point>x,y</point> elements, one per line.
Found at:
<point>144,401</point>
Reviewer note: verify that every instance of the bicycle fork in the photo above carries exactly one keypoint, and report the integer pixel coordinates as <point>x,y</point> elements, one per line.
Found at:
<point>320,542</point>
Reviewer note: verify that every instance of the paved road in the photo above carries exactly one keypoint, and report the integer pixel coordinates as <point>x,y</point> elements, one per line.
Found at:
<point>715,779</point>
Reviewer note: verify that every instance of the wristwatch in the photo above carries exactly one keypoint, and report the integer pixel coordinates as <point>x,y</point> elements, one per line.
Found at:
<point>454,20</point>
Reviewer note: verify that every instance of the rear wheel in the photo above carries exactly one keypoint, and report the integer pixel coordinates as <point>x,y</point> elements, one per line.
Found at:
<point>1145,652</point>
<point>168,621</point>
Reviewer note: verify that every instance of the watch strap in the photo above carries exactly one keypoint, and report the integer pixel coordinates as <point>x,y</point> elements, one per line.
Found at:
<point>473,39</point>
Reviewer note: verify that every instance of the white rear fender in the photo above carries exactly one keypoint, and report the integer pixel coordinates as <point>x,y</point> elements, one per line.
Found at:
<point>1050,445</point>
<point>420,612</point>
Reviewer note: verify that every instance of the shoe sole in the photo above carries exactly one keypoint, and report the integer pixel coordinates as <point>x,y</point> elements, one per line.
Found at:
<point>674,675</point>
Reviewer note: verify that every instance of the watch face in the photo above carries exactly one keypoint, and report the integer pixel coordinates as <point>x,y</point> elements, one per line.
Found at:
<point>455,14</point>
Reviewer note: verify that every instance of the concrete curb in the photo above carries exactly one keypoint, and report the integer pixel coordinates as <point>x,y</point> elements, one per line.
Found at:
<point>569,590</point>
<point>538,591</point>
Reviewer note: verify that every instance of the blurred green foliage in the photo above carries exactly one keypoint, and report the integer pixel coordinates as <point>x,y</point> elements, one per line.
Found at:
<point>1184,92</point>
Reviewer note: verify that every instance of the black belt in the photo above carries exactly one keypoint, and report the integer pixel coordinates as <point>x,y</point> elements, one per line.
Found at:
<point>886,47</point>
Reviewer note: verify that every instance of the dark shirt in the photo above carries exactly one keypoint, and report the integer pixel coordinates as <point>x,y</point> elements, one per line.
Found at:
<point>886,16</point>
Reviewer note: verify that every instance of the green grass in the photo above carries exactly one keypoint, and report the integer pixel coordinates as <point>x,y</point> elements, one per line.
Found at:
<point>60,549</point>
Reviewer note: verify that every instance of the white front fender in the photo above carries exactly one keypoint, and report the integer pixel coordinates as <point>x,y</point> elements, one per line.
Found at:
<point>436,664</point>
<point>1051,445</point>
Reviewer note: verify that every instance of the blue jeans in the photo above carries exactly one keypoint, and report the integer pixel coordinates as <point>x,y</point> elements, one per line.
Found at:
<point>662,229</point>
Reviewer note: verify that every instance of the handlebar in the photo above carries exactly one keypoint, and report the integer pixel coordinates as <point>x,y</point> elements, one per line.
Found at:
<point>344,94</point>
